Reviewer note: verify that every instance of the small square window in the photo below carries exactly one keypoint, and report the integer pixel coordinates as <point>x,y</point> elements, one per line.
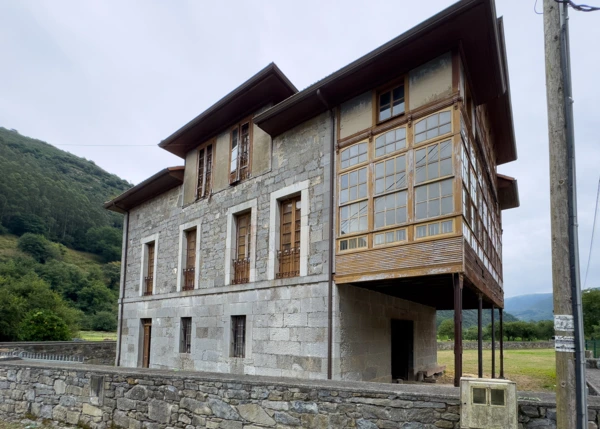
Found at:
<point>479,395</point>
<point>238,336</point>
<point>497,397</point>
<point>185,344</point>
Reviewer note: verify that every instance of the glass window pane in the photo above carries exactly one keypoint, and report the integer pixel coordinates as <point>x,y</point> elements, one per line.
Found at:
<point>420,157</point>
<point>433,208</point>
<point>445,117</point>
<point>432,121</point>
<point>420,137</point>
<point>362,148</point>
<point>379,204</point>
<point>344,181</point>
<point>362,158</point>
<point>401,180</point>
<point>445,150</point>
<point>362,242</point>
<point>352,243</point>
<point>384,98</point>
<point>434,229</point>
<point>379,239</point>
<point>380,141</point>
<point>401,235</point>
<point>444,129</point>
<point>353,193</point>
<point>389,183</point>
<point>353,178</point>
<point>421,193</point>
<point>434,190</point>
<point>363,223</point>
<point>390,201</point>
<point>345,164</point>
<point>379,220</point>
<point>432,153</point>
<point>344,245</point>
<point>353,151</point>
<point>390,218</point>
<point>401,134</point>
<point>385,113</point>
<point>345,154</point>
<point>362,191</point>
<point>433,171</point>
<point>420,126</point>
<point>398,93</point>
<point>343,196</point>
<point>401,163</point>
<point>421,231</point>
<point>379,169</point>
<point>446,167</point>
<point>447,205</point>
<point>401,215</point>
<point>379,186</point>
<point>420,174</point>
<point>479,396</point>
<point>353,225</point>
<point>389,237</point>
<point>447,187</point>
<point>362,175</point>
<point>432,133</point>
<point>421,211</point>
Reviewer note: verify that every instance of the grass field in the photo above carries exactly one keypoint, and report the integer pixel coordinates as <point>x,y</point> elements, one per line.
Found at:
<point>530,369</point>
<point>97,336</point>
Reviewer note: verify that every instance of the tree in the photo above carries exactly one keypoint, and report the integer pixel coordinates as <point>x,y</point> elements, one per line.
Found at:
<point>105,241</point>
<point>103,321</point>
<point>38,247</point>
<point>591,310</point>
<point>43,325</point>
<point>23,223</point>
<point>446,329</point>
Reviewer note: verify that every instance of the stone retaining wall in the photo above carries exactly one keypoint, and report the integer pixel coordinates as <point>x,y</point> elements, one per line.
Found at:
<point>102,397</point>
<point>508,345</point>
<point>92,352</point>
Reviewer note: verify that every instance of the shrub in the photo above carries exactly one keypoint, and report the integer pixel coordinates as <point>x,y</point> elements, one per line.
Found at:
<point>103,321</point>
<point>43,325</point>
<point>37,246</point>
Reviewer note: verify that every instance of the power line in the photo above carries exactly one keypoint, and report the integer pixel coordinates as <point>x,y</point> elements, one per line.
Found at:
<point>592,240</point>
<point>579,7</point>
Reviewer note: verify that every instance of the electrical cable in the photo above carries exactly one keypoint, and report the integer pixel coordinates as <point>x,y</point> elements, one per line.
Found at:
<point>592,239</point>
<point>579,7</point>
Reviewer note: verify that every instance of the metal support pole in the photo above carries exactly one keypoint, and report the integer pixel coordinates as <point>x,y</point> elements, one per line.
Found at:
<point>500,310</point>
<point>493,344</point>
<point>480,337</point>
<point>458,286</point>
<point>571,397</point>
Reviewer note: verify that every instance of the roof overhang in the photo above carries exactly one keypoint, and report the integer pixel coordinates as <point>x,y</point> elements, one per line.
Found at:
<point>470,24</point>
<point>508,192</point>
<point>161,182</point>
<point>267,86</point>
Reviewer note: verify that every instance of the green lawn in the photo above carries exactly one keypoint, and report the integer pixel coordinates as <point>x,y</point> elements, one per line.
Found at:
<point>530,369</point>
<point>97,336</point>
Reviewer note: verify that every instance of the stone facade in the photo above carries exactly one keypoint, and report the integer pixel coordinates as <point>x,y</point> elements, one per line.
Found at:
<point>102,398</point>
<point>286,319</point>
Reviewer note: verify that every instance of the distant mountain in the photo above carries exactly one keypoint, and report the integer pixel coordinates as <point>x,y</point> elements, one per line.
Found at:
<point>470,317</point>
<point>530,307</point>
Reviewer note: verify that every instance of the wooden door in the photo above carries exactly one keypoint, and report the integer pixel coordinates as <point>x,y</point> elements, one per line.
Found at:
<point>147,325</point>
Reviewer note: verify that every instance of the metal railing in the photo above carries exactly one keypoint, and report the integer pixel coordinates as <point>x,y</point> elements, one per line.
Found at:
<point>289,263</point>
<point>594,346</point>
<point>188,278</point>
<point>42,356</point>
<point>148,283</point>
<point>241,271</point>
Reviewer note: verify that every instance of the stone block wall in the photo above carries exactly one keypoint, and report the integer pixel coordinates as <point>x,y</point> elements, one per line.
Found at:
<point>92,352</point>
<point>102,397</point>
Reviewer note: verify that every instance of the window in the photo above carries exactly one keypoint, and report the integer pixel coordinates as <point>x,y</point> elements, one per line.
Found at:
<point>238,336</point>
<point>389,237</point>
<point>433,200</point>
<point>353,218</point>
<point>391,103</point>
<point>289,243</point>
<point>240,153</point>
<point>436,228</point>
<point>205,156</point>
<point>149,278</point>
<point>185,342</point>
<point>433,126</point>
<point>391,141</point>
<point>353,243</point>
<point>189,272</point>
<point>433,162</point>
<point>390,175</point>
<point>241,263</point>
<point>353,185</point>
<point>390,209</point>
<point>354,155</point>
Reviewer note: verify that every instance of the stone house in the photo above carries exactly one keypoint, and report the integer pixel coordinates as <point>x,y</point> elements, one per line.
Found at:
<point>315,233</point>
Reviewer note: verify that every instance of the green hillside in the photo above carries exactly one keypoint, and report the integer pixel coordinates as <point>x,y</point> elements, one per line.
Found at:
<point>470,317</point>
<point>48,191</point>
<point>60,250</point>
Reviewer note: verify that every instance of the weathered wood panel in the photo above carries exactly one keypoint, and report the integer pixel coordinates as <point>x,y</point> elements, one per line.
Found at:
<point>477,274</point>
<point>420,258</point>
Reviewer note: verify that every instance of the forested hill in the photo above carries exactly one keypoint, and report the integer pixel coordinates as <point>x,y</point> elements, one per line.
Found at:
<point>45,190</point>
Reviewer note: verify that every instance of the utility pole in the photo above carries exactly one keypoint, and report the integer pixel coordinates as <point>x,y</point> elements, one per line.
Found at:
<point>571,395</point>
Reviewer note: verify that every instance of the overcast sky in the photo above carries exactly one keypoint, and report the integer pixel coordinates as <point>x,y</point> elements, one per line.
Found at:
<point>96,77</point>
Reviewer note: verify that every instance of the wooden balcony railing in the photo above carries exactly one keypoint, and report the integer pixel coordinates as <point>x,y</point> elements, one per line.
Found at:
<point>148,283</point>
<point>188,279</point>
<point>289,263</point>
<point>241,271</point>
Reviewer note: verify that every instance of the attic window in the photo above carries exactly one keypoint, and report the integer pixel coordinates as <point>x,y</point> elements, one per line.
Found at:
<point>391,103</point>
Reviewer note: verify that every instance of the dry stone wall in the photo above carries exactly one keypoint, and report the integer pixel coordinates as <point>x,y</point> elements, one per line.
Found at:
<point>101,397</point>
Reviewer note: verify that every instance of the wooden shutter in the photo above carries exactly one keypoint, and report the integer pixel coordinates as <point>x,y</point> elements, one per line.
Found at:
<point>149,279</point>
<point>204,172</point>
<point>190,262</point>
<point>242,261</point>
<point>289,240</point>
<point>244,158</point>
<point>208,171</point>
<point>234,158</point>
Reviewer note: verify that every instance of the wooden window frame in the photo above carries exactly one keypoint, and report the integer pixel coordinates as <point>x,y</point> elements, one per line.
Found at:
<point>439,222</point>
<point>237,176</point>
<point>289,259</point>
<point>185,336</point>
<point>150,269</point>
<point>238,336</point>
<point>189,271</point>
<point>354,237</point>
<point>440,198</point>
<point>391,243</point>
<point>434,138</point>
<point>395,152</point>
<point>360,163</point>
<point>241,263</point>
<point>389,87</point>
<point>204,169</point>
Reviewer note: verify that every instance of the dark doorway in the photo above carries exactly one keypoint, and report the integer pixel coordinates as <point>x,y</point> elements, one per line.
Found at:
<point>147,328</point>
<point>402,349</point>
